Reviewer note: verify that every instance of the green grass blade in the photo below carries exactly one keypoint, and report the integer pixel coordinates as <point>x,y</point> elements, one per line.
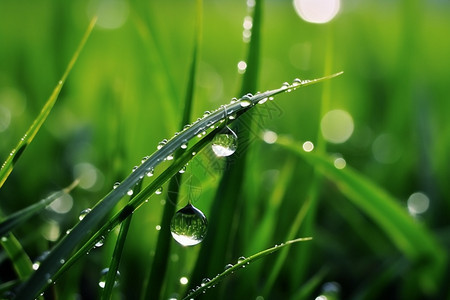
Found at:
<point>239,265</point>
<point>20,260</point>
<point>88,226</point>
<point>21,216</point>
<point>410,237</point>
<point>217,243</point>
<point>15,154</point>
<point>110,280</point>
<point>161,258</point>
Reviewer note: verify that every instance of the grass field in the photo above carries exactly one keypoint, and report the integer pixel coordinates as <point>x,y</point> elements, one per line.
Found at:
<point>372,194</point>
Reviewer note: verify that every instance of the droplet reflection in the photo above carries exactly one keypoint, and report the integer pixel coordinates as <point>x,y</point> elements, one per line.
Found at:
<point>189,226</point>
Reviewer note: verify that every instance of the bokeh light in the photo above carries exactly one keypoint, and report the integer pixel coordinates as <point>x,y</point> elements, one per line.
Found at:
<point>112,14</point>
<point>317,11</point>
<point>337,126</point>
<point>418,203</point>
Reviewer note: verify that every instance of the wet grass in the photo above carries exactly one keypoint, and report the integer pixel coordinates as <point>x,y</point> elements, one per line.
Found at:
<point>124,95</point>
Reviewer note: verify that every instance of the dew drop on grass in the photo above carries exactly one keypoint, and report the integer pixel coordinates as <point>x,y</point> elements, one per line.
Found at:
<point>169,157</point>
<point>263,100</point>
<point>150,172</point>
<point>103,274</point>
<point>205,281</point>
<point>159,191</point>
<point>225,143</point>
<point>184,146</point>
<point>245,103</point>
<point>100,242</point>
<point>130,192</point>
<point>116,185</point>
<point>189,226</point>
<point>241,259</point>
<point>182,170</point>
<point>161,144</point>
<point>83,213</point>
<point>229,266</point>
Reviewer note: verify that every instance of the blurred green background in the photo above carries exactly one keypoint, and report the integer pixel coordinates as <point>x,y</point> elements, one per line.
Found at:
<point>125,95</point>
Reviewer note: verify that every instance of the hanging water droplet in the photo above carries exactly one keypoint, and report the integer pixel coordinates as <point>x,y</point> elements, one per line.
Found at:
<point>100,242</point>
<point>134,168</point>
<point>224,143</point>
<point>245,103</point>
<point>83,213</point>
<point>263,100</point>
<point>189,226</point>
<point>150,172</point>
<point>182,170</point>
<point>229,266</point>
<point>183,146</point>
<point>116,185</point>
<point>169,157</point>
<point>103,274</point>
<point>130,192</point>
<point>159,191</point>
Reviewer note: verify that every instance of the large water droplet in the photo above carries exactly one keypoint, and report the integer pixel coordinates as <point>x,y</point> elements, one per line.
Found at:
<point>103,274</point>
<point>83,213</point>
<point>100,242</point>
<point>189,226</point>
<point>116,185</point>
<point>225,143</point>
<point>161,144</point>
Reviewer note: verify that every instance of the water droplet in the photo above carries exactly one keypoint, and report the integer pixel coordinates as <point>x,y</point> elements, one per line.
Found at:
<point>184,280</point>
<point>103,274</point>
<point>130,192</point>
<point>100,242</point>
<point>263,100</point>
<point>224,144</point>
<point>241,259</point>
<point>182,170</point>
<point>271,98</point>
<point>234,100</point>
<point>189,226</point>
<point>169,157</point>
<point>83,213</point>
<point>184,146</point>
<point>150,172</point>
<point>206,113</point>
<point>245,103</point>
<point>161,144</point>
<point>144,159</point>
<point>194,153</point>
<point>62,261</point>
<point>229,266</point>
<point>159,191</point>
<point>205,281</point>
<point>285,85</point>
<point>297,81</point>
<point>134,168</point>
<point>116,185</point>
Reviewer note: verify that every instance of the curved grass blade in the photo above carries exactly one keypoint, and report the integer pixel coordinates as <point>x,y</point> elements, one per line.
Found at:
<point>158,269</point>
<point>21,216</point>
<point>15,154</point>
<point>240,264</point>
<point>87,227</point>
<point>135,203</point>
<point>19,258</point>
<point>414,240</point>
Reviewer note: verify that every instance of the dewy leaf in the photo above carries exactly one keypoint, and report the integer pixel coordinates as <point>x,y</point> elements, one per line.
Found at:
<point>410,237</point>
<point>241,263</point>
<point>87,227</point>
<point>15,154</point>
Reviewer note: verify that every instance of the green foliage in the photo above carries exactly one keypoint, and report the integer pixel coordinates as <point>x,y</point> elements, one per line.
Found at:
<point>122,97</point>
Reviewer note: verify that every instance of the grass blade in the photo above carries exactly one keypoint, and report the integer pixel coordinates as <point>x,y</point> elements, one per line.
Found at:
<point>110,280</point>
<point>88,226</point>
<point>15,154</point>
<point>161,258</point>
<point>241,264</point>
<point>414,240</point>
<point>21,216</point>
